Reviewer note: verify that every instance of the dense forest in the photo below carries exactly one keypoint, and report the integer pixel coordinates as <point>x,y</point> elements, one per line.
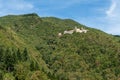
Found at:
<point>36,48</point>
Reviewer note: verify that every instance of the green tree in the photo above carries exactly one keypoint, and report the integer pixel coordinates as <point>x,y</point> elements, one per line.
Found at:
<point>21,71</point>
<point>8,76</point>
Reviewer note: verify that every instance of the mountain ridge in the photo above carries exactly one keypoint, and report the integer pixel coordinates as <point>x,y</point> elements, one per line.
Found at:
<point>40,54</point>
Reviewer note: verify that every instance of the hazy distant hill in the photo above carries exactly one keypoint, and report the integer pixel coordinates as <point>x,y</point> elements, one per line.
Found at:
<point>31,48</point>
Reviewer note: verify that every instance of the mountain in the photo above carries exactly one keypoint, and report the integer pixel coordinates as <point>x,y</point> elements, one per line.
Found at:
<point>49,48</point>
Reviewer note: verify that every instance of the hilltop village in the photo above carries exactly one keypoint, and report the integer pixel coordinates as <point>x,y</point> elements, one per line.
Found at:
<point>77,30</point>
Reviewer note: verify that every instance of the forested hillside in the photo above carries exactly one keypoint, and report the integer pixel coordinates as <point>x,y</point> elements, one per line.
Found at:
<point>49,48</point>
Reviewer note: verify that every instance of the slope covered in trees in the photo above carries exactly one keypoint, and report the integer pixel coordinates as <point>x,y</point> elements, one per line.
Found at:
<point>31,49</point>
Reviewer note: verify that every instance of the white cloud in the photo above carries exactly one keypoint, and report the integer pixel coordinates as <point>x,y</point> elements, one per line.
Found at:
<point>14,6</point>
<point>113,18</point>
<point>110,21</point>
<point>21,6</point>
<point>60,4</point>
<point>64,4</point>
<point>110,11</point>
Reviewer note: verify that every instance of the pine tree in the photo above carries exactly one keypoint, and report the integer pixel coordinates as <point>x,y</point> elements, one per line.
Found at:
<point>18,55</point>
<point>9,61</point>
<point>34,66</point>
<point>25,55</point>
<point>1,54</point>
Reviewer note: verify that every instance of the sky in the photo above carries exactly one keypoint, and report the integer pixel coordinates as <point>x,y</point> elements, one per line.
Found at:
<point>99,14</point>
